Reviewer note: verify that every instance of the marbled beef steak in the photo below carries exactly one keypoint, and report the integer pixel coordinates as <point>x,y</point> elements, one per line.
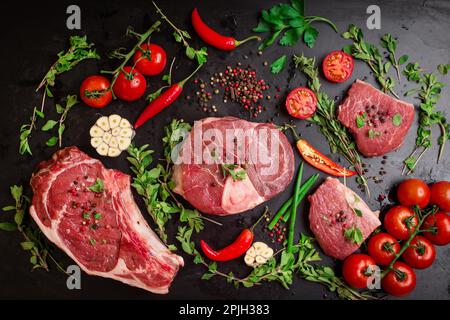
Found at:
<point>378,122</point>
<point>200,178</point>
<point>103,232</point>
<point>334,208</point>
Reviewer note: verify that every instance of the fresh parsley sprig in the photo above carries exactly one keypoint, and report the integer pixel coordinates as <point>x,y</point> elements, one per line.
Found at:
<point>325,118</point>
<point>289,20</point>
<point>33,241</point>
<point>369,53</point>
<point>70,101</point>
<point>182,36</point>
<point>428,93</point>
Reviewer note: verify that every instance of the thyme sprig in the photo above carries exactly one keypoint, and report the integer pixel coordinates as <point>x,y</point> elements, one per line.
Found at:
<point>325,118</point>
<point>369,53</point>
<point>32,236</point>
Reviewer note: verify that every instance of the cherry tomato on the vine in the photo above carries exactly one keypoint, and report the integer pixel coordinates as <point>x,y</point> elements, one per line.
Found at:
<point>413,192</point>
<point>150,59</point>
<point>400,281</point>
<point>400,222</point>
<point>439,226</point>
<point>130,85</point>
<point>95,91</point>
<point>357,269</point>
<point>420,254</point>
<point>383,247</point>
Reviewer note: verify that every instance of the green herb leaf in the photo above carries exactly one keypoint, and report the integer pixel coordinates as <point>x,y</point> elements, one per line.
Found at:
<point>310,36</point>
<point>49,125</point>
<point>234,171</point>
<point>397,119</point>
<point>8,226</point>
<point>278,65</point>
<point>360,120</point>
<point>98,186</point>
<point>52,142</point>
<point>354,235</point>
<point>357,212</point>
<point>374,134</point>
<point>27,245</point>
<point>403,59</point>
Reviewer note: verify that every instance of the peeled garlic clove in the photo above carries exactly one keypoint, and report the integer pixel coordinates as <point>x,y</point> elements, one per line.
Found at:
<point>126,133</point>
<point>124,123</point>
<point>113,143</point>
<point>96,132</point>
<point>259,246</point>
<point>113,152</point>
<point>95,142</point>
<point>115,132</point>
<point>102,149</point>
<point>267,253</point>
<point>123,143</point>
<point>114,120</point>
<point>251,252</point>
<point>103,122</point>
<point>250,261</point>
<point>260,260</point>
<point>107,137</point>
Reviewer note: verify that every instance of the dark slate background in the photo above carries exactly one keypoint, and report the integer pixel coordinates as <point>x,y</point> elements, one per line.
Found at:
<point>31,35</point>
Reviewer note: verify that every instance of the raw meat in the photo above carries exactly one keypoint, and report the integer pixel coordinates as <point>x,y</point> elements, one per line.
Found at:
<point>103,232</point>
<point>199,176</point>
<point>334,208</point>
<point>384,121</point>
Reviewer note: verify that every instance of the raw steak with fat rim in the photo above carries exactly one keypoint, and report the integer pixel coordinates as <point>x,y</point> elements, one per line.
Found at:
<point>103,232</point>
<point>383,120</point>
<point>333,209</point>
<point>200,178</point>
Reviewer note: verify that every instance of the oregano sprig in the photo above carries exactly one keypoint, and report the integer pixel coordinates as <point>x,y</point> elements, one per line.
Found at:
<point>33,241</point>
<point>70,101</point>
<point>369,53</point>
<point>182,36</point>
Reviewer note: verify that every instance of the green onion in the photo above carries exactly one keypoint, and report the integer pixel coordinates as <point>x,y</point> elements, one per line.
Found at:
<point>298,184</point>
<point>303,190</point>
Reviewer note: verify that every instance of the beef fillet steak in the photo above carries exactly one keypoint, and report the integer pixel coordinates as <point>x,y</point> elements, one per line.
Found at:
<point>335,211</point>
<point>100,227</point>
<point>203,180</point>
<point>378,122</point>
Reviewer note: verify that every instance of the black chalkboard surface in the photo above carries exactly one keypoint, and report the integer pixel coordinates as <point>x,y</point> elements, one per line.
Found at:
<point>31,36</point>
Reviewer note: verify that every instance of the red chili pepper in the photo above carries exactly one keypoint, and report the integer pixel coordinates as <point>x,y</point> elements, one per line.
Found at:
<point>164,100</point>
<point>213,38</point>
<point>319,160</point>
<point>234,250</point>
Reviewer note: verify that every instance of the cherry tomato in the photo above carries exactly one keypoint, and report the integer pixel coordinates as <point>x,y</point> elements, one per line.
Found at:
<point>301,103</point>
<point>420,254</point>
<point>440,195</point>
<point>338,66</point>
<point>383,247</point>
<point>413,192</point>
<point>400,281</point>
<point>150,60</point>
<point>357,269</point>
<point>441,235</point>
<point>400,222</point>
<point>130,85</point>
<point>95,91</point>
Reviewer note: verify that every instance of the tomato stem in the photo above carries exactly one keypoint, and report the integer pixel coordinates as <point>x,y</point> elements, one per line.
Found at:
<point>129,55</point>
<point>182,82</point>
<point>421,217</point>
